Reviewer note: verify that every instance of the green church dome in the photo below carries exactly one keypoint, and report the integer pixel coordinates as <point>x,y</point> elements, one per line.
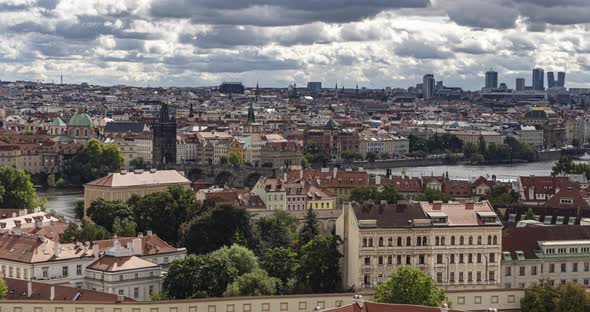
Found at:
<point>80,120</point>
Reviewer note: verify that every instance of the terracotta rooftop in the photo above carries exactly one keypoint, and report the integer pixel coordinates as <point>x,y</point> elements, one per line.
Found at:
<point>18,290</point>
<point>30,248</point>
<point>151,244</point>
<point>139,178</point>
<point>460,214</point>
<point>116,264</point>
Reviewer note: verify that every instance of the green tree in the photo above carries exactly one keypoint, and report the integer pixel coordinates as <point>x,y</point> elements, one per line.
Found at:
<point>104,212</point>
<point>272,232</point>
<point>216,228</point>
<point>88,231</point>
<point>51,182</point>
<point>371,156</point>
<point>501,197</point>
<point>310,229</point>
<point>93,161</point>
<point>540,297</point>
<point>572,297</point>
<point>388,193</point>
<point>576,142</point>
<point>79,209</point>
<point>3,288</point>
<point>137,163</point>
<point>235,159</point>
<point>319,269</point>
<point>125,228</point>
<point>564,165</point>
<point>350,155</point>
<point>241,258</point>
<point>281,263</point>
<point>16,189</point>
<point>409,285</point>
<point>175,206</point>
<point>257,283</point>
<point>430,195</point>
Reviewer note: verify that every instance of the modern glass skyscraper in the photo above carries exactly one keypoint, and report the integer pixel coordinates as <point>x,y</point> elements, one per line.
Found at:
<point>538,79</point>
<point>561,79</point>
<point>491,79</point>
<point>428,86</point>
<point>550,80</point>
<point>520,84</point>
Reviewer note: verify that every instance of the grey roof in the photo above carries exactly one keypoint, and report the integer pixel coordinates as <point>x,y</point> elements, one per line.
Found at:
<point>125,126</point>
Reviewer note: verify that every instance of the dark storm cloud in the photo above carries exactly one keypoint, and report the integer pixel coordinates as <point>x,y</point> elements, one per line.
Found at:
<point>420,50</point>
<point>277,12</point>
<point>482,14</point>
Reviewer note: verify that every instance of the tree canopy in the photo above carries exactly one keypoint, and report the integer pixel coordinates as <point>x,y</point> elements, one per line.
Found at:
<point>88,231</point>
<point>257,283</point>
<point>310,228</point>
<point>104,212</point>
<point>566,165</point>
<point>430,195</point>
<point>319,269</point>
<point>16,189</point>
<point>95,160</point>
<point>3,288</point>
<point>388,193</point>
<point>409,285</point>
<point>543,297</point>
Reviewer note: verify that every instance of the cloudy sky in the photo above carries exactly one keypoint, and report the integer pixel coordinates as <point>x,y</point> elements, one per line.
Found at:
<point>376,43</point>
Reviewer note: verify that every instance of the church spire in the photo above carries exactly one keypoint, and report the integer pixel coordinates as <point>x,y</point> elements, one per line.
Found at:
<point>257,93</point>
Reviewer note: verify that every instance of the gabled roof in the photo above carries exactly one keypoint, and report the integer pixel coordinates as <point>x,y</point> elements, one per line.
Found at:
<point>389,215</point>
<point>116,264</point>
<point>150,244</point>
<point>575,196</point>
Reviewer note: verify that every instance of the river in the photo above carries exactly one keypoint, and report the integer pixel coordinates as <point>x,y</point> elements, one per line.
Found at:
<point>508,172</point>
<point>62,201</point>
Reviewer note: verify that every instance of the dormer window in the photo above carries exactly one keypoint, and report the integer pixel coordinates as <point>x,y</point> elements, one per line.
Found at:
<point>506,255</point>
<point>566,201</point>
<point>519,255</point>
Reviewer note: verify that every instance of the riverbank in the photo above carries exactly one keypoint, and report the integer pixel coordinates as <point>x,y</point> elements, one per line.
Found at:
<point>62,201</point>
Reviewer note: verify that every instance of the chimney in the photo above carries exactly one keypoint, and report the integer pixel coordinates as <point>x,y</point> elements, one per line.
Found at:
<point>52,293</point>
<point>140,234</point>
<point>136,247</point>
<point>149,233</point>
<point>285,176</point>
<point>301,174</point>
<point>29,289</point>
<point>361,169</point>
<point>335,172</point>
<point>56,249</point>
<point>378,179</point>
<point>469,205</point>
<point>95,251</point>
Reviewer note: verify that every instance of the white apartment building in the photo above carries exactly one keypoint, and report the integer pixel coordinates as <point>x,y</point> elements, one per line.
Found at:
<point>558,254</point>
<point>458,244</point>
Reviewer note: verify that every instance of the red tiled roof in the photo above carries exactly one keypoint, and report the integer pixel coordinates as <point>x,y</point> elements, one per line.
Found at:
<point>151,244</point>
<point>457,188</point>
<point>403,184</point>
<point>576,196</point>
<point>545,185</point>
<point>17,290</point>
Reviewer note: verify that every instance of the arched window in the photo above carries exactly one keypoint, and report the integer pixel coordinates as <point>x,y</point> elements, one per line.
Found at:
<point>390,241</point>
<point>380,241</point>
<point>495,240</point>
<point>399,241</point>
<point>442,240</point>
<point>77,132</point>
<point>408,241</point>
<point>371,242</point>
<point>452,240</point>
<point>461,240</point>
<point>85,132</point>
<point>436,241</point>
<point>365,242</point>
<point>424,241</point>
<point>418,241</point>
<point>479,240</point>
<point>489,239</point>
<point>470,240</point>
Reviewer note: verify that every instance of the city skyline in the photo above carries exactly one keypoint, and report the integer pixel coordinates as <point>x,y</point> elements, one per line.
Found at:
<point>385,43</point>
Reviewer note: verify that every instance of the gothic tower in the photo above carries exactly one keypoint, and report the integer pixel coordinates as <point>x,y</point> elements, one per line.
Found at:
<point>164,139</point>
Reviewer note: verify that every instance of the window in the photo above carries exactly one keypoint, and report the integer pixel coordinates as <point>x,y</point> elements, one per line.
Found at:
<point>421,259</point>
<point>478,258</point>
<point>563,267</point>
<point>586,266</point>
<point>136,292</point>
<point>424,241</point>
<point>460,258</point>
<point>495,241</point>
<point>121,292</point>
<point>492,257</point>
<point>408,241</point>
<point>452,240</point>
<point>418,241</point>
<point>436,241</point>
<point>575,267</point>
<point>399,241</point>
<point>470,240</point>
<point>452,258</point>
<point>151,289</point>
<point>78,269</point>
<point>399,259</point>
<point>380,260</point>
<point>442,240</point>
<point>470,258</point>
<point>439,259</point>
<point>65,270</point>
<point>492,277</point>
<point>460,276</point>
<point>534,270</point>
<point>461,240</point>
<point>521,271</point>
<point>389,259</point>
<point>489,239</point>
<point>470,277</point>
<point>371,242</point>
<point>364,242</point>
<point>551,268</point>
<point>380,241</point>
<point>452,277</point>
<point>367,260</point>
<point>390,241</point>
<point>479,240</point>
<point>408,260</point>
<point>121,277</point>
<point>439,277</point>
<point>479,276</point>
<point>45,271</point>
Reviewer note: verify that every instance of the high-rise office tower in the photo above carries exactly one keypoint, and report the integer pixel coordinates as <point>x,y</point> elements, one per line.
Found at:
<point>550,80</point>
<point>520,83</point>
<point>538,79</point>
<point>491,79</point>
<point>428,86</point>
<point>561,79</point>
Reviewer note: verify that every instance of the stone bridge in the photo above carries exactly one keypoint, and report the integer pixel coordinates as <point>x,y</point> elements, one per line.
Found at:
<point>238,177</point>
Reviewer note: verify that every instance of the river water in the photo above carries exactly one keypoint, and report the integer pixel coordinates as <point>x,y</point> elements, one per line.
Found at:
<point>62,201</point>
<point>508,172</point>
